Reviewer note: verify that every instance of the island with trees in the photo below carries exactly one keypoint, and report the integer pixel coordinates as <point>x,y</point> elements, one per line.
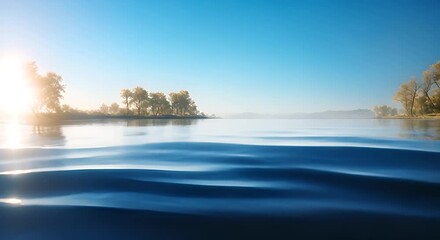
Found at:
<point>419,98</point>
<point>137,103</point>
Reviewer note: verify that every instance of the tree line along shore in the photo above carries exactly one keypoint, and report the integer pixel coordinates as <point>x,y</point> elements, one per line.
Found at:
<point>418,98</point>
<point>48,91</point>
<point>138,103</point>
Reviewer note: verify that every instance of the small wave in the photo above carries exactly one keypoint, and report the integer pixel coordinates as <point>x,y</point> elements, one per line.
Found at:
<point>201,185</point>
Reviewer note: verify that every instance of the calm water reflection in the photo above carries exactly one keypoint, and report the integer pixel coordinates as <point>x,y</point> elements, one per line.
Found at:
<point>275,132</point>
<point>425,129</point>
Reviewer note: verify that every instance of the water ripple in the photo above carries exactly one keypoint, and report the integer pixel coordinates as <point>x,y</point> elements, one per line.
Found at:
<point>199,180</point>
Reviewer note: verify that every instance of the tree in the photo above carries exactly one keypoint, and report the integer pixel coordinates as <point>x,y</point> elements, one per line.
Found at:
<point>435,68</point>
<point>66,108</point>
<point>104,109</point>
<point>48,89</point>
<point>182,104</point>
<point>421,105</point>
<point>426,87</point>
<point>159,104</point>
<point>435,96</point>
<point>114,109</point>
<point>49,92</point>
<point>431,81</point>
<point>53,90</point>
<point>127,98</point>
<point>407,94</point>
<point>384,111</point>
<point>140,99</point>
<point>192,109</point>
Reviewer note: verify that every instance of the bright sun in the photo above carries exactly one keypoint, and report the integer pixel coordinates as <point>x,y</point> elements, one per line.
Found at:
<point>15,94</point>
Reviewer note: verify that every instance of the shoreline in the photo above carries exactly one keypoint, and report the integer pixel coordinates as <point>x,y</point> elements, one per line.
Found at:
<point>427,117</point>
<point>55,118</point>
<point>63,118</point>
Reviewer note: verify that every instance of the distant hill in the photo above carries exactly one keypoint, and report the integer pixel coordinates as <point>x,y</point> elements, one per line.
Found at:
<point>358,113</point>
<point>350,114</point>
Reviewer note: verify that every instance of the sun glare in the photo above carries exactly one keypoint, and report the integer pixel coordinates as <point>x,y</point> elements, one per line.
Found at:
<point>15,94</point>
<point>14,201</point>
<point>14,133</point>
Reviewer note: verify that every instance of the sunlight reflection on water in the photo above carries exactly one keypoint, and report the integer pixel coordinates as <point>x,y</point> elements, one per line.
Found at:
<point>180,168</point>
<point>14,201</point>
<point>14,133</point>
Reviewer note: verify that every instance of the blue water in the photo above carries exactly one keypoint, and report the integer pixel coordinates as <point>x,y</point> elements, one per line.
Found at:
<point>221,179</point>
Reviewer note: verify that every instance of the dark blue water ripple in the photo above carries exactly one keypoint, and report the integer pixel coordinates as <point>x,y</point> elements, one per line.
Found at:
<point>185,190</point>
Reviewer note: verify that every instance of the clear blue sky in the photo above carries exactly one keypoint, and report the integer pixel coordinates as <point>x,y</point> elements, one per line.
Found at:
<point>232,56</point>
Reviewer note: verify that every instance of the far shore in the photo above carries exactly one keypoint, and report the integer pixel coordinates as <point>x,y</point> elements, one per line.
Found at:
<point>57,118</point>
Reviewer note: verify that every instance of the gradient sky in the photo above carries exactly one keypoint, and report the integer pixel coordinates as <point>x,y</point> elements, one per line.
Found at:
<point>232,56</point>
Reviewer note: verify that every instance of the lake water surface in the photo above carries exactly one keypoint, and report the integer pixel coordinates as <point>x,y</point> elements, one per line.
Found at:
<point>220,179</point>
